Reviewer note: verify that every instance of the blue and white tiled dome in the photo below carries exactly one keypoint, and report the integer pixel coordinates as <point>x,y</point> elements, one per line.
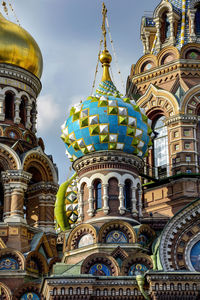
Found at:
<point>106,121</point>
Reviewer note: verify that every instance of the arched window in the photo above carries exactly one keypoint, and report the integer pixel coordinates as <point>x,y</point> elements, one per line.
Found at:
<point>165,28</point>
<point>55,291</point>
<point>36,175</point>
<point>197,20</point>
<point>97,191</point>
<point>160,147</point>
<point>32,207</point>
<point>22,111</point>
<point>33,114</point>
<point>127,195</point>
<point>9,106</point>
<point>113,195</point>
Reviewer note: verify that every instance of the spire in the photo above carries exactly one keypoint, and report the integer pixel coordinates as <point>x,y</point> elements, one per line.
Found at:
<point>105,57</point>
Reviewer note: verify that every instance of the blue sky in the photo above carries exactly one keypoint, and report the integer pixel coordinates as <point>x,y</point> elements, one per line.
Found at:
<point>68,33</point>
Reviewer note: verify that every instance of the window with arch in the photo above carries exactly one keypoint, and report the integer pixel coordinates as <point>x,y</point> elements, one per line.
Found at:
<point>197,19</point>
<point>31,208</point>
<point>160,147</point>
<point>98,194</point>
<point>165,27</point>
<point>33,114</point>
<point>22,111</point>
<point>113,194</point>
<point>9,106</point>
<point>128,194</point>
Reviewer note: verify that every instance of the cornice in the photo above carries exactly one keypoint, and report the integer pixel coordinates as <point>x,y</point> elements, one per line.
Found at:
<point>20,78</point>
<point>178,64</point>
<point>183,118</point>
<point>107,157</point>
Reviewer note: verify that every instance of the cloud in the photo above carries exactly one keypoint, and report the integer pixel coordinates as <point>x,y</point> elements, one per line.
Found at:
<point>48,112</point>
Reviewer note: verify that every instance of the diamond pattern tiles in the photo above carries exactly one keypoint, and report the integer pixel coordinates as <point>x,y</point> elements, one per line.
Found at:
<point>106,121</point>
<point>71,202</point>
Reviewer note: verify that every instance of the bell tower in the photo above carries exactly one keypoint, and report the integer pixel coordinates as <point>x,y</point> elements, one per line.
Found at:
<point>28,181</point>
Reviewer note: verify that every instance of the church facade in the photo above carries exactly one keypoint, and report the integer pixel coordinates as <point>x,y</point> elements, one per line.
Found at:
<point>127,222</point>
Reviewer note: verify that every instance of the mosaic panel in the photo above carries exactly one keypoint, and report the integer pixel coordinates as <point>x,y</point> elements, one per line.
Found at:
<point>116,237</point>
<point>85,240</point>
<point>100,270</point>
<point>137,269</point>
<point>30,296</point>
<point>195,256</point>
<point>8,264</point>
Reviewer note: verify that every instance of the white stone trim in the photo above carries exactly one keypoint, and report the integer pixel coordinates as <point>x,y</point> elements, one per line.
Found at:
<point>13,154</point>
<point>112,218</point>
<point>42,154</point>
<point>178,221</point>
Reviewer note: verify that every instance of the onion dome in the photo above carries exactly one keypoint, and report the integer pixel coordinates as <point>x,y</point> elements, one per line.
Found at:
<point>106,121</point>
<point>17,47</point>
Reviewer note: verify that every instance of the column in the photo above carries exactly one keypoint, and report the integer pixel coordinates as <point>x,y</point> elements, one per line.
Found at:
<point>171,21</point>
<point>80,205</point>
<point>34,118</point>
<point>91,202</point>
<point>42,212</point>
<point>144,43</point>
<point>191,15</point>
<point>49,213</point>
<point>17,199</point>
<point>158,43</point>
<point>105,198</point>
<point>2,113</point>
<point>140,203</point>
<point>17,102</point>
<point>121,199</point>
<point>15,182</point>
<point>134,209</point>
<point>147,35</point>
<point>7,199</point>
<point>28,115</point>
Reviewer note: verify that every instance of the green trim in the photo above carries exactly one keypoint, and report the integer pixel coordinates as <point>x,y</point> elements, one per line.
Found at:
<point>59,210</point>
<point>140,281</point>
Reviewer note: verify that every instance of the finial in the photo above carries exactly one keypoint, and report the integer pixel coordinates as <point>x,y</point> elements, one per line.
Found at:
<point>103,27</point>
<point>105,57</point>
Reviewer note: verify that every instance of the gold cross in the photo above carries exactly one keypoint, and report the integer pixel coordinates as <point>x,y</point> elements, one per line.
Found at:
<point>104,14</point>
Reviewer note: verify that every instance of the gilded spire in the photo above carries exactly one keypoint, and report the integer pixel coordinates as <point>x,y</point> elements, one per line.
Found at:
<point>105,57</point>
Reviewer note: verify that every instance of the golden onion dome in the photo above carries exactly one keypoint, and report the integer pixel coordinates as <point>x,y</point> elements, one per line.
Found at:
<point>17,47</point>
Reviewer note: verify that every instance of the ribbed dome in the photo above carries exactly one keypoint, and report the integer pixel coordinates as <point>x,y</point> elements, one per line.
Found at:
<point>17,47</point>
<point>106,121</point>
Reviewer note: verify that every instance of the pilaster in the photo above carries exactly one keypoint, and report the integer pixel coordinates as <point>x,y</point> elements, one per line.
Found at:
<point>17,102</point>
<point>91,202</point>
<point>105,199</point>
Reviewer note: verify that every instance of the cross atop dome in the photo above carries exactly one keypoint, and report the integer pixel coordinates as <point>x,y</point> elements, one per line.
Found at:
<point>105,57</point>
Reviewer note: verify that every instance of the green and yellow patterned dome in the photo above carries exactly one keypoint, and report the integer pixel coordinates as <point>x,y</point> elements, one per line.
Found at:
<point>106,121</point>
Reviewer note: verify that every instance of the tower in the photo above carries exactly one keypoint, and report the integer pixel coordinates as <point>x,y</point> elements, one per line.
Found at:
<point>28,182</point>
<point>99,210</point>
<point>165,80</point>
